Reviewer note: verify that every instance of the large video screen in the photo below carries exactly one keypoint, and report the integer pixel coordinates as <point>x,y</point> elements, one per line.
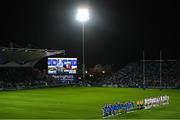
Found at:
<point>58,66</point>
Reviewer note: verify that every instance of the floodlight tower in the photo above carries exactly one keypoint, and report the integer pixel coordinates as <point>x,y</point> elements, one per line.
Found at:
<point>83,16</point>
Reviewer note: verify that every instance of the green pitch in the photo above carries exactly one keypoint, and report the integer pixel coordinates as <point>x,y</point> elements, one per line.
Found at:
<point>82,102</point>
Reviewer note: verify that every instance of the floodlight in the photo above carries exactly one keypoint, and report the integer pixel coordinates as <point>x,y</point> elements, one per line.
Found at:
<point>82,14</point>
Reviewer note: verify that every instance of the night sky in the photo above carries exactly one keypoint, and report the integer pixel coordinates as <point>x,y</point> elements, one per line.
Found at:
<point>117,32</point>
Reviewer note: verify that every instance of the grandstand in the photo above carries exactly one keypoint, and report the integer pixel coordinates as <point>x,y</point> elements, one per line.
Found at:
<point>18,72</point>
<point>132,75</point>
<point>17,69</point>
<point>162,73</point>
<point>24,57</point>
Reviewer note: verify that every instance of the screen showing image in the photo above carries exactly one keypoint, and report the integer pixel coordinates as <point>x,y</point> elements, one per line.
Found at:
<point>62,66</point>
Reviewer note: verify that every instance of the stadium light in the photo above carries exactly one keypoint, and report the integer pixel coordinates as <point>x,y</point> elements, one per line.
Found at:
<point>83,16</point>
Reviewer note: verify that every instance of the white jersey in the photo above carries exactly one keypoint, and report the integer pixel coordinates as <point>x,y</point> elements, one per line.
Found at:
<point>145,101</point>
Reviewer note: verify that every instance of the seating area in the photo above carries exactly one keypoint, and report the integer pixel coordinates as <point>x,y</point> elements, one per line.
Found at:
<point>131,75</point>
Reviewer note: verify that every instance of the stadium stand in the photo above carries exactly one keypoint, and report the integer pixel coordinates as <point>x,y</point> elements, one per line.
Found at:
<point>24,57</point>
<point>17,68</point>
<point>17,71</point>
<point>131,75</point>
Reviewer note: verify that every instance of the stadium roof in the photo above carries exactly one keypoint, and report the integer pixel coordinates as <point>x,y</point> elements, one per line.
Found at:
<point>24,57</point>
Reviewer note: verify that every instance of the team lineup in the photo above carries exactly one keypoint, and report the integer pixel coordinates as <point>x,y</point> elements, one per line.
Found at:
<point>127,107</point>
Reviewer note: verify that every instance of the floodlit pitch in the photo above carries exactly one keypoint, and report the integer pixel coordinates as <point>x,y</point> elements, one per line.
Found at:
<point>82,103</point>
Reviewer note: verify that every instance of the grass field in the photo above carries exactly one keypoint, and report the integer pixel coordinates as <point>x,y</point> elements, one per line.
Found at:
<point>82,102</point>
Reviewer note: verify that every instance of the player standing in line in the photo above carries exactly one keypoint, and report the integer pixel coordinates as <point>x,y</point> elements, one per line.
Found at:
<point>117,108</point>
<point>127,107</point>
<point>140,104</point>
<point>149,103</point>
<point>145,103</point>
<point>133,106</point>
<point>120,108</point>
<point>153,102</point>
<point>123,108</point>
<point>137,103</point>
<point>167,99</point>
<point>105,113</point>
<point>161,100</point>
<point>130,106</point>
<point>110,109</point>
<point>113,109</point>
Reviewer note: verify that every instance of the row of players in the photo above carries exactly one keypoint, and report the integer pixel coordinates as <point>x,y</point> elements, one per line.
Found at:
<point>115,109</point>
<point>140,104</point>
<point>156,101</point>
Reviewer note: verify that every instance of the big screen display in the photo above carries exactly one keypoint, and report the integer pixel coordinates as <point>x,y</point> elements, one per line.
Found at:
<point>57,66</point>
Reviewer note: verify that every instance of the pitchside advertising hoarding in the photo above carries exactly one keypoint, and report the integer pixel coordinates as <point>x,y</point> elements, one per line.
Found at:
<point>62,66</point>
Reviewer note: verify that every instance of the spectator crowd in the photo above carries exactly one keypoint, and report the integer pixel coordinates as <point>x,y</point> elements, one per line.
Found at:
<point>130,75</point>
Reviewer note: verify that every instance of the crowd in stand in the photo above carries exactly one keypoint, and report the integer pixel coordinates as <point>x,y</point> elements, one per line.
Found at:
<point>24,77</point>
<point>131,75</point>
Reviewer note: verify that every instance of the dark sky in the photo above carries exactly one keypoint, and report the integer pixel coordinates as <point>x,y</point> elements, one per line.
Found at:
<point>117,32</point>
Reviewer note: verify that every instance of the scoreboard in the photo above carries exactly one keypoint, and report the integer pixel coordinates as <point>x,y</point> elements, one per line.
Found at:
<point>59,66</point>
